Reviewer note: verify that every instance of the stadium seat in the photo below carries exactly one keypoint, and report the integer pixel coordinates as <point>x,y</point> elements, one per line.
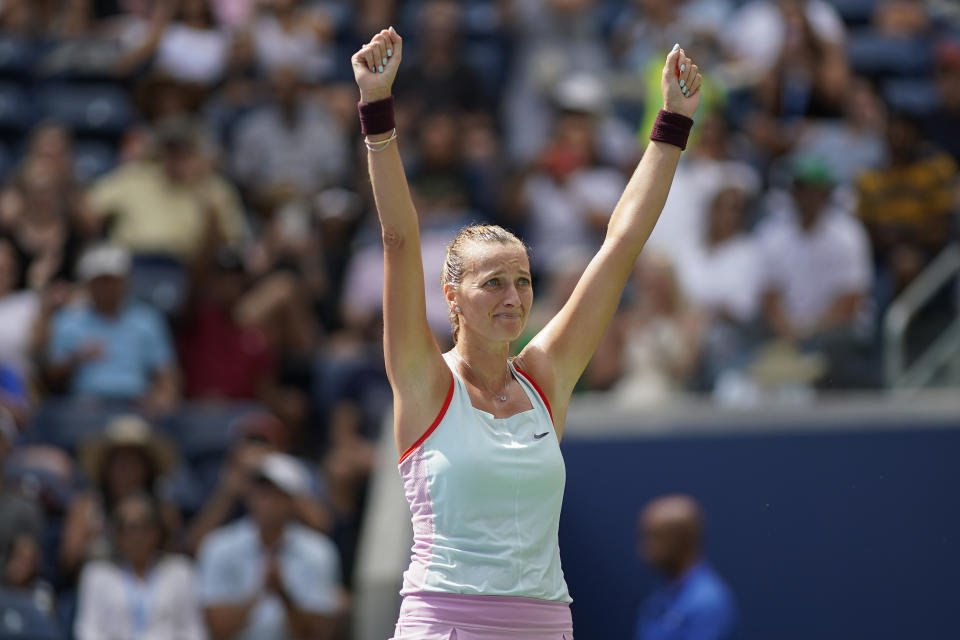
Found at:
<point>877,55</point>
<point>17,113</point>
<point>20,619</point>
<point>204,429</point>
<point>17,57</point>
<point>92,159</point>
<point>66,422</point>
<point>855,12</point>
<point>93,110</point>
<point>916,97</point>
<point>159,281</point>
<point>7,161</point>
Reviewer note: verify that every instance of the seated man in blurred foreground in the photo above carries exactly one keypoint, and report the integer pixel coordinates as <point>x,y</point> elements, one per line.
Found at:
<point>694,603</point>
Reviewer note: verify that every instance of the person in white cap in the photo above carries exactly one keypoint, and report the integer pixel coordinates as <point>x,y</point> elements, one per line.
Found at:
<point>266,576</point>
<point>112,348</point>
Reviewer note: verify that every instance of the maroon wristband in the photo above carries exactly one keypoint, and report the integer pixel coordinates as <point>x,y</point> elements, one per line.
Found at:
<point>671,128</point>
<point>376,117</point>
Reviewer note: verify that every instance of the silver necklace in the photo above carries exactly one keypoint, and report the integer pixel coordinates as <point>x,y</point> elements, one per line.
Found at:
<point>502,397</point>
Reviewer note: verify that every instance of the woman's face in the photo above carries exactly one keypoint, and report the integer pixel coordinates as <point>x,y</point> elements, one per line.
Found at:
<point>496,293</point>
<point>726,214</point>
<point>138,533</point>
<point>128,471</point>
<point>195,13</point>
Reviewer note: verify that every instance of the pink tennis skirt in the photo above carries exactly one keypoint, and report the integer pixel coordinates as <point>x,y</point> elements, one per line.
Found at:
<point>452,616</point>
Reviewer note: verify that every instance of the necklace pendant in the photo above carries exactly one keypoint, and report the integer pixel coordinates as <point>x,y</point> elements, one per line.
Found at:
<point>503,398</point>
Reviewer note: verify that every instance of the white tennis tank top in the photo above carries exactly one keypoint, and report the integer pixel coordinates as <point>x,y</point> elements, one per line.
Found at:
<point>485,496</point>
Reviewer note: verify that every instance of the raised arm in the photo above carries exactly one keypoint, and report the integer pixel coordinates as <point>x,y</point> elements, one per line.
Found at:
<point>419,377</point>
<point>557,355</point>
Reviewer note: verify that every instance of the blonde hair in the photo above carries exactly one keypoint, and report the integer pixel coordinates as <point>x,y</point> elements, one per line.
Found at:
<point>454,266</point>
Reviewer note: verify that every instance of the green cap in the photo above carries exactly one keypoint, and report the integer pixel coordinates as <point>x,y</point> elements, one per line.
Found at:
<point>812,170</point>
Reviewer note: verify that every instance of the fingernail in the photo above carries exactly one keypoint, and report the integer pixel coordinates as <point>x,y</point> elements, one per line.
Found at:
<point>384,61</point>
<point>675,46</point>
<point>683,67</point>
<point>389,52</point>
<point>682,84</point>
<point>380,68</point>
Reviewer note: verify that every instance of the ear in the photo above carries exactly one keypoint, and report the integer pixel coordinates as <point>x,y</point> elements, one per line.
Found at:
<point>450,293</point>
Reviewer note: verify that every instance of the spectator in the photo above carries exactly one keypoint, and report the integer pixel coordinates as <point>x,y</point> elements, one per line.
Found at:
<point>439,173</point>
<point>439,75</point>
<point>129,458</point>
<point>908,206</point>
<point>721,277</point>
<point>42,210</point>
<point>811,75</point>
<point>112,348</point>
<point>161,207</point>
<point>709,166</point>
<point>854,144</point>
<point>22,573</point>
<point>19,309</point>
<point>555,39</point>
<point>943,125</point>
<point>288,583</point>
<point>286,34</point>
<point>292,144</point>
<point>222,358</point>
<point>570,194</point>
<point>758,35</point>
<point>650,351</point>
<point>141,592</point>
<point>644,29</point>
<point>192,48</point>
<point>254,436</point>
<point>693,603</point>
<point>797,64</point>
<point>21,520</point>
<point>818,277</point>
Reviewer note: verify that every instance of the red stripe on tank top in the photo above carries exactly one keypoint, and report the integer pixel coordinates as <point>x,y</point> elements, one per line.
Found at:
<point>436,422</point>
<point>543,396</point>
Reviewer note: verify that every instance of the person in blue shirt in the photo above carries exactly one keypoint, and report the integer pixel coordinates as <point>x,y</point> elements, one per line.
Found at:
<point>111,347</point>
<point>693,603</point>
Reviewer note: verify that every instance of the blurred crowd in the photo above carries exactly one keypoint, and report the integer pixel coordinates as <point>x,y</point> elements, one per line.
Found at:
<point>191,269</point>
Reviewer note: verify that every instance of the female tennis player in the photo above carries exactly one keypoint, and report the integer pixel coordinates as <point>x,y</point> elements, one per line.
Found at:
<point>478,434</point>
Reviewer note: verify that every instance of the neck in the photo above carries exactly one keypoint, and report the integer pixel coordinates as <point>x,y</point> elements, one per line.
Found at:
<point>486,362</point>
<point>140,567</point>
<point>111,311</point>
<point>683,566</point>
<point>270,536</point>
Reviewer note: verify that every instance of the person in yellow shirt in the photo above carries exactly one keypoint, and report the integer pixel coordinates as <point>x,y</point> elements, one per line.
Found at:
<point>162,206</point>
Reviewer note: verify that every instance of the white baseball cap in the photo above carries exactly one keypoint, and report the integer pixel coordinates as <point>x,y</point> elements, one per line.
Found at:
<point>103,260</point>
<point>285,473</point>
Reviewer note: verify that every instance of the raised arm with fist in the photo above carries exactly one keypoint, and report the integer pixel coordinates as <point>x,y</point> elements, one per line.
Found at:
<point>375,65</point>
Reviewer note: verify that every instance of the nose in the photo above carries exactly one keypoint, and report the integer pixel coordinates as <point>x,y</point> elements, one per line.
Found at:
<point>511,296</point>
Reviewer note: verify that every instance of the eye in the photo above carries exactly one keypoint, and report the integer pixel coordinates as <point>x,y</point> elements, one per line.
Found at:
<point>492,282</point>
<point>524,282</point>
